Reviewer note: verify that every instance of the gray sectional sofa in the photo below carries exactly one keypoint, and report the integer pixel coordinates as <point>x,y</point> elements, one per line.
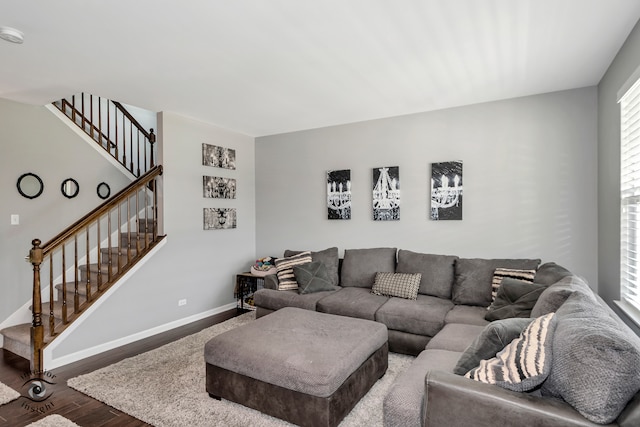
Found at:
<point>445,328</point>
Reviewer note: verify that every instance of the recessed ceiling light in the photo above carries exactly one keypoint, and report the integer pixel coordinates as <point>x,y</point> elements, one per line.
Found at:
<point>11,35</point>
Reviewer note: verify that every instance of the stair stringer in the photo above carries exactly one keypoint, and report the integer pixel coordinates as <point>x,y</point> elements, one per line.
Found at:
<point>49,361</point>
<point>82,134</point>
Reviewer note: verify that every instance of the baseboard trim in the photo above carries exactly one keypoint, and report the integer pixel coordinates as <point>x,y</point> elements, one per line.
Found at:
<point>83,354</point>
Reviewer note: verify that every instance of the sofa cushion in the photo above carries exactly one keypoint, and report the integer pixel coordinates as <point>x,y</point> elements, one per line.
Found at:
<point>275,300</point>
<point>424,316</point>
<point>360,266</point>
<point>515,298</point>
<point>329,257</point>
<point>286,278</point>
<point>467,314</point>
<point>549,273</point>
<point>313,277</point>
<point>493,338</point>
<point>513,273</point>
<point>555,295</point>
<point>455,337</point>
<point>472,285</point>
<point>525,362</point>
<point>401,285</point>
<point>352,302</point>
<point>595,366</point>
<point>438,271</point>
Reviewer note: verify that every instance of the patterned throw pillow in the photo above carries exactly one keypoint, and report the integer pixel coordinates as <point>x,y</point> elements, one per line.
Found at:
<point>313,277</point>
<point>401,285</point>
<point>500,273</point>
<point>525,363</point>
<point>284,267</point>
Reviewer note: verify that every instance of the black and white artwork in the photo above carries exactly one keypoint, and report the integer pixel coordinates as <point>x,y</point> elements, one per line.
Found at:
<point>339,194</point>
<point>446,191</point>
<point>218,157</point>
<point>217,187</point>
<point>219,218</point>
<point>386,193</point>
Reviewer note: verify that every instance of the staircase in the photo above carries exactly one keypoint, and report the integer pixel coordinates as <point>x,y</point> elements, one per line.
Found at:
<point>79,265</point>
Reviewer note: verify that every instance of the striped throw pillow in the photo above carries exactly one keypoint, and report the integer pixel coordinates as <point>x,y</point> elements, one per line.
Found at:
<point>523,364</point>
<point>500,273</point>
<point>401,285</point>
<point>284,268</point>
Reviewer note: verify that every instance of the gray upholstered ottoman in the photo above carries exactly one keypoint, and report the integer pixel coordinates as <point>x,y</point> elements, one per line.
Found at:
<point>304,367</point>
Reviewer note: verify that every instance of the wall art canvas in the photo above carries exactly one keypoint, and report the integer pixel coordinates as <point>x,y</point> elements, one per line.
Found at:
<point>217,187</point>
<point>446,191</point>
<point>386,193</point>
<point>219,218</point>
<point>339,194</point>
<point>218,157</point>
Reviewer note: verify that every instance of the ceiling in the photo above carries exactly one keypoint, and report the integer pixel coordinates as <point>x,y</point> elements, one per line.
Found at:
<point>265,67</point>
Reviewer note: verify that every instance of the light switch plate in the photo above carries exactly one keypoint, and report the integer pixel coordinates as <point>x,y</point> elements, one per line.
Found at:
<point>15,219</point>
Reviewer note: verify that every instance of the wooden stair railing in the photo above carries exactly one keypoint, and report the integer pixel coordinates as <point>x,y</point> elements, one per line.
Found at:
<point>89,257</point>
<point>114,129</point>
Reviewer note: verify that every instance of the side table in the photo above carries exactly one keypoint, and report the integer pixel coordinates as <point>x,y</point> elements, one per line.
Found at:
<point>246,285</point>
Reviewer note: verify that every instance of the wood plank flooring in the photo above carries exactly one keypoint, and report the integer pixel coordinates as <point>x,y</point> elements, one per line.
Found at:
<point>71,404</point>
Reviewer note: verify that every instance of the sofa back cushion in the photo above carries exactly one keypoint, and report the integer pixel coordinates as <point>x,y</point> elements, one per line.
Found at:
<point>329,257</point>
<point>555,295</point>
<point>549,273</point>
<point>438,271</point>
<point>360,266</point>
<point>474,276</point>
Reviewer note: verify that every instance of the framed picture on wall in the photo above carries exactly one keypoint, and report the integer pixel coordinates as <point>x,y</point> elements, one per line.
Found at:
<point>219,218</point>
<point>218,157</point>
<point>217,187</point>
<point>386,193</point>
<point>446,191</point>
<point>339,194</point>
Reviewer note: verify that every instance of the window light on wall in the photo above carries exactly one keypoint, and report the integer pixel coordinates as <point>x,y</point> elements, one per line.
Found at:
<point>630,195</point>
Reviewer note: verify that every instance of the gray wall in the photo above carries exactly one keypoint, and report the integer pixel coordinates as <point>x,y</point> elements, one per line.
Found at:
<point>32,139</point>
<point>194,264</point>
<point>529,182</point>
<point>623,66</point>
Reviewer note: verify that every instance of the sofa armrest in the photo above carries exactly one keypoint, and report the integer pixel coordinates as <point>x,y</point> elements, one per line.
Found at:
<point>271,281</point>
<point>455,400</point>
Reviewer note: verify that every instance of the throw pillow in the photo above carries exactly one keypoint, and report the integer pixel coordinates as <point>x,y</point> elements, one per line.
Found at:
<point>495,336</point>
<point>515,298</point>
<point>312,277</point>
<point>329,257</point>
<point>401,285</point>
<point>286,278</point>
<point>523,364</point>
<point>555,295</point>
<point>501,273</point>
<point>595,360</point>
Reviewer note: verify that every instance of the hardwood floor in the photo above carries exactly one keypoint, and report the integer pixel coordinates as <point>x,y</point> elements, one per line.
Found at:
<point>71,404</point>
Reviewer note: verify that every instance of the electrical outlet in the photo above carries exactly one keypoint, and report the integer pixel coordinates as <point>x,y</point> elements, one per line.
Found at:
<point>182,302</point>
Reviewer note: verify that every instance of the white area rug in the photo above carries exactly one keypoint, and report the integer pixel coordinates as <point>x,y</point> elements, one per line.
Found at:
<point>7,394</point>
<point>53,421</point>
<point>165,387</point>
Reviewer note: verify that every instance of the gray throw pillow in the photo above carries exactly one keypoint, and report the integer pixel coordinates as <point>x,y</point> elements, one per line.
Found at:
<point>312,277</point>
<point>329,257</point>
<point>555,295</point>
<point>360,266</point>
<point>438,271</point>
<point>495,336</point>
<point>595,361</point>
<point>515,298</point>
<point>474,276</point>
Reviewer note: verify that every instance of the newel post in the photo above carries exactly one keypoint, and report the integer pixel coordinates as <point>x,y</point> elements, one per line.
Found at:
<point>37,329</point>
<point>152,141</point>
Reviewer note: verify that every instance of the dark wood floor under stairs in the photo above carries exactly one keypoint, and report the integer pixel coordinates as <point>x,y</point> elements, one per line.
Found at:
<point>71,404</point>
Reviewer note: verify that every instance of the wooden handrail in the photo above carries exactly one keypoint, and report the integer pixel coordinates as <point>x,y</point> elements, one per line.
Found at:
<point>67,104</point>
<point>132,119</point>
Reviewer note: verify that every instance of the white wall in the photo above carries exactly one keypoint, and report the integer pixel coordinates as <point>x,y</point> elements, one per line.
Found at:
<point>194,264</point>
<point>530,182</point>
<point>32,139</point>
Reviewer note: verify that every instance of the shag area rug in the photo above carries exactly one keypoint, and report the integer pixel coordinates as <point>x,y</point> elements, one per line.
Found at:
<point>53,421</point>
<point>165,387</point>
<point>7,394</point>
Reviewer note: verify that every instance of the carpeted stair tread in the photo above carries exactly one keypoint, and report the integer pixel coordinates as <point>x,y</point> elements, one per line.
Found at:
<point>82,289</point>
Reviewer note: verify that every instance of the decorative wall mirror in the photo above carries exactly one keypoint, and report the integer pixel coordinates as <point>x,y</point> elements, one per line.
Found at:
<point>104,191</point>
<point>30,185</point>
<point>70,188</point>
